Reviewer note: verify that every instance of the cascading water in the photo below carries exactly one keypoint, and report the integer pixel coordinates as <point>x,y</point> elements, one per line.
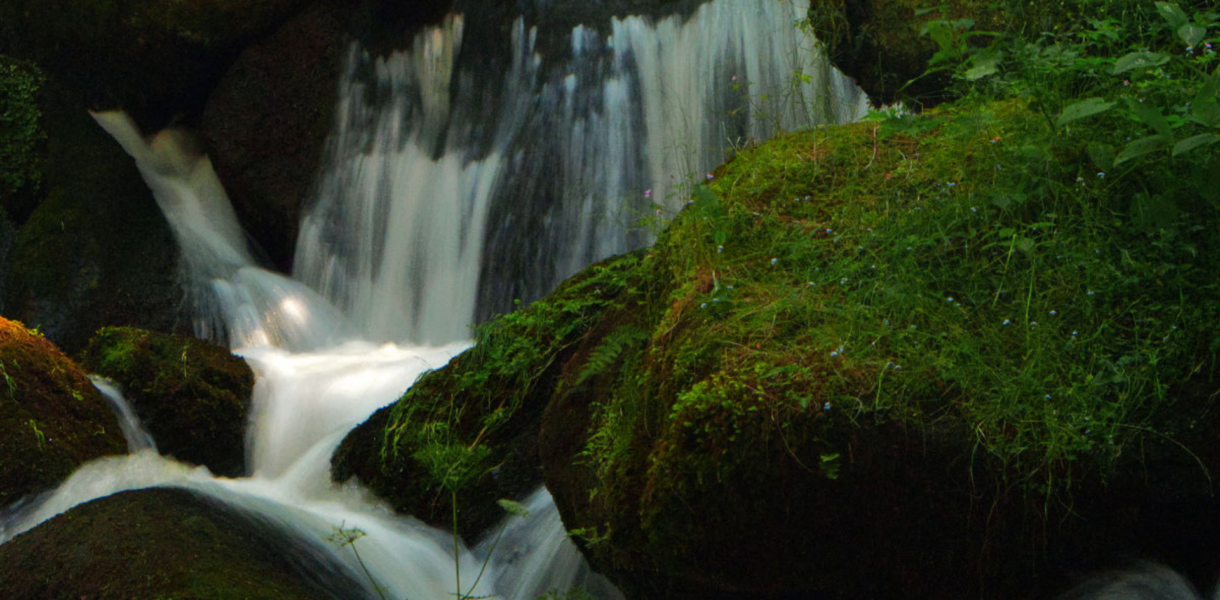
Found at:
<point>451,188</point>
<point>463,173</point>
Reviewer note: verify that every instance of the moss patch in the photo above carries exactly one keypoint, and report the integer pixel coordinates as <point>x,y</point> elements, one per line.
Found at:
<point>472,425</point>
<point>193,397</point>
<point>167,543</point>
<point>52,419</point>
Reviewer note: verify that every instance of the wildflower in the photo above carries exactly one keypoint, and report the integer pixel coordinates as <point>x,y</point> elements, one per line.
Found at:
<point>1090,292</point>
<point>835,353</point>
<point>1033,323</point>
<point>1054,312</point>
<point>719,249</point>
<point>949,299</point>
<point>1048,396</point>
<point>1080,180</point>
<point>648,193</point>
<point>1126,83</point>
<point>734,78</point>
<point>826,407</point>
<point>704,305</point>
<point>709,176</point>
<point>1075,333</point>
<point>1006,322</point>
<point>1101,175</point>
<point>973,209</point>
<point>843,281</point>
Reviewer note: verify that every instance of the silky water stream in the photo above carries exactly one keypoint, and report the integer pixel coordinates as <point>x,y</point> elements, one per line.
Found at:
<point>437,172</point>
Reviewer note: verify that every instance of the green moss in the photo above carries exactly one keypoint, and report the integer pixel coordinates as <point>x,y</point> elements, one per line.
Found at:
<point>472,425</point>
<point>20,135</point>
<point>192,396</point>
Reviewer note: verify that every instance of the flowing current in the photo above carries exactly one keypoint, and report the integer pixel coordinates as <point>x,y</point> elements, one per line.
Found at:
<point>461,174</point>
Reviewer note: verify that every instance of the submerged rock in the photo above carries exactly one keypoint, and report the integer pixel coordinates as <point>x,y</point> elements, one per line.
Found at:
<point>193,397</point>
<point>168,543</point>
<point>52,419</point>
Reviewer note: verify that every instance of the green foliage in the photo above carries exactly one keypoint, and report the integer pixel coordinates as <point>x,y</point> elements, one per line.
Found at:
<point>20,134</point>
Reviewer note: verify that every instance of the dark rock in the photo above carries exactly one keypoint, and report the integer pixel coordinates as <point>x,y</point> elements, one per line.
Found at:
<point>95,249</point>
<point>155,59</point>
<point>52,419</point>
<point>267,120</point>
<point>193,397</point>
<point>168,543</point>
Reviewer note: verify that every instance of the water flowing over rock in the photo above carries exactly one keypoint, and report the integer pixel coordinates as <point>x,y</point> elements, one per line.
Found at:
<point>483,166</point>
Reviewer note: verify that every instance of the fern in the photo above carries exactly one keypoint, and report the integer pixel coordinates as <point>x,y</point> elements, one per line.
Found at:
<point>608,351</point>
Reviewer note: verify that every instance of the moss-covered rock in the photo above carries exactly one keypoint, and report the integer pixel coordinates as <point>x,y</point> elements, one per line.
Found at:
<point>919,358</point>
<point>92,248</point>
<point>193,397</point>
<point>156,59</point>
<point>52,419</point>
<point>168,543</point>
<point>472,426</point>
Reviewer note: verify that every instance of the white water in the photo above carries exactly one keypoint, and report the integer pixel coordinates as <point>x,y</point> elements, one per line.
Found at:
<point>451,182</point>
<point>437,180</point>
<point>133,431</point>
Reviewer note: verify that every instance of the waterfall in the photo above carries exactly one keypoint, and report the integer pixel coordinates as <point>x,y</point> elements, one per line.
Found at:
<point>470,171</point>
<point>137,437</point>
<point>479,166</point>
<point>233,298</point>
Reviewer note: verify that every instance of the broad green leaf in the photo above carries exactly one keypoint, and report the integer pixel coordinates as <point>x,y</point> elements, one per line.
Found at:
<point>1141,147</point>
<point>1198,141</point>
<point>984,63</point>
<point>1172,13</point>
<point>1082,109</point>
<point>1139,60</point>
<point>1205,108</point>
<point>1151,116</point>
<point>1102,155</point>
<point>1192,34</point>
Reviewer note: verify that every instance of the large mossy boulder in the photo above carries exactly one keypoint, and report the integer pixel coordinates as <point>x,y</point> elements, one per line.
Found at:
<point>472,427</point>
<point>156,59</point>
<point>91,247</point>
<point>193,397</point>
<point>168,543</point>
<point>934,357</point>
<point>52,419</point>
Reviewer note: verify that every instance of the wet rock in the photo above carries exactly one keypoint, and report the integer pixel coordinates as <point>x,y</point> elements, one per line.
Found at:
<point>193,397</point>
<point>52,419</point>
<point>169,543</point>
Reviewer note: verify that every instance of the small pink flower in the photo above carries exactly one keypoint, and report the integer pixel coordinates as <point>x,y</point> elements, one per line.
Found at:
<point>648,193</point>
<point>734,78</point>
<point>709,176</point>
